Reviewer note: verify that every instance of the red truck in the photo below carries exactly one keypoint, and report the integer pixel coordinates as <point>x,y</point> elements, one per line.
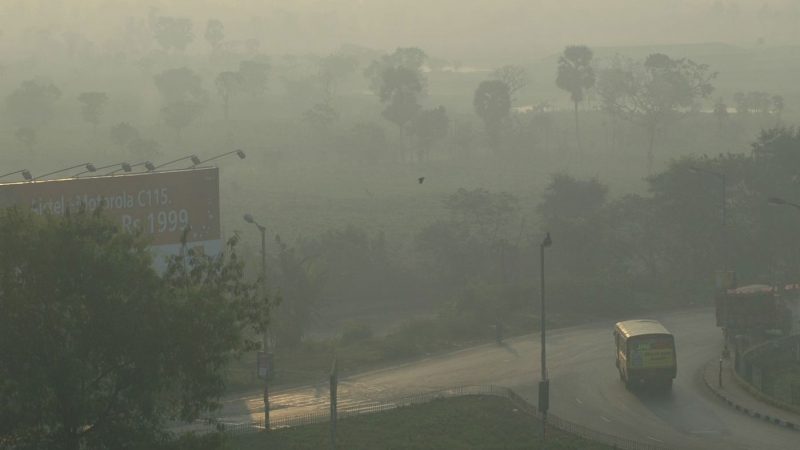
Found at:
<point>755,308</point>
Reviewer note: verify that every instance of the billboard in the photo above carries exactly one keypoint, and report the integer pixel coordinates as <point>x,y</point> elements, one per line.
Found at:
<point>160,204</point>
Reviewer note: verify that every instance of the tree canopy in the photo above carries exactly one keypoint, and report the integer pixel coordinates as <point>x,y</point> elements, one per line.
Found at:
<point>101,351</point>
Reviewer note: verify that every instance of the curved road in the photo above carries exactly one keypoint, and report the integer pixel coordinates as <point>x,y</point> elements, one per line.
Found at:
<point>585,387</point>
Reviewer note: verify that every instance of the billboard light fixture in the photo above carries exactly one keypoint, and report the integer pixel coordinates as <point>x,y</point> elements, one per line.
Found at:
<point>88,166</point>
<point>238,152</point>
<point>25,174</point>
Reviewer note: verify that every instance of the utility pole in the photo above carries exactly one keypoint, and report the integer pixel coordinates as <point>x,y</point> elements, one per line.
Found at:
<point>544,384</point>
<point>334,385</point>
<point>267,357</point>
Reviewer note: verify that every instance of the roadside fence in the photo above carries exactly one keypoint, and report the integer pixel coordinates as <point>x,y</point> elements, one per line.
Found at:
<point>768,369</point>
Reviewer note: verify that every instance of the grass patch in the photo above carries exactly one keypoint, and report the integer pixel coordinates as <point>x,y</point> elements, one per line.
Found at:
<point>474,422</point>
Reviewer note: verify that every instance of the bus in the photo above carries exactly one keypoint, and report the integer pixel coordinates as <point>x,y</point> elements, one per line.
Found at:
<point>645,354</point>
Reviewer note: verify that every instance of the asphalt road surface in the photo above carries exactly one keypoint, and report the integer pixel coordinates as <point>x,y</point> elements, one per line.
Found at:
<point>585,387</point>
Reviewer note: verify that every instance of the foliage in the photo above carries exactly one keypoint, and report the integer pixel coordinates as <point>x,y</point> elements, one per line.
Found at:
<point>472,244</point>
<point>179,115</point>
<point>173,32</point>
<point>228,83</point>
<point>515,77</point>
<point>355,331</point>
<point>653,93</point>
<point>123,134</point>
<point>253,76</point>
<point>92,106</point>
<point>398,81</point>
<point>300,281</point>
<point>333,69</point>
<point>320,116</point>
<point>215,33</point>
<point>492,104</point>
<point>180,85</point>
<point>105,351</point>
<point>31,104</point>
<point>576,76</point>
<point>429,126</point>
<point>27,136</point>
<point>575,72</point>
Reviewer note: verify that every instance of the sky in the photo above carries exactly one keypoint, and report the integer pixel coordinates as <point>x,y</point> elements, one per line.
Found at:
<point>454,28</point>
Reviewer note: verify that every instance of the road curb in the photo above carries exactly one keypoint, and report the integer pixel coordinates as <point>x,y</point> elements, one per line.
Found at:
<point>749,411</point>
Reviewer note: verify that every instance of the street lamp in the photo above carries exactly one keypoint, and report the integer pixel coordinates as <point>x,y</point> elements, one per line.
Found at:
<point>129,167</point>
<point>25,174</point>
<point>544,384</point>
<point>88,166</point>
<point>194,158</point>
<point>249,219</point>
<point>239,153</point>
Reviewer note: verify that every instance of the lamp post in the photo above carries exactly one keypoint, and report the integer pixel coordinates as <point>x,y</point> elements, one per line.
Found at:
<point>249,219</point>
<point>88,166</point>
<point>194,158</point>
<point>544,384</point>
<point>25,174</point>
<point>239,153</point>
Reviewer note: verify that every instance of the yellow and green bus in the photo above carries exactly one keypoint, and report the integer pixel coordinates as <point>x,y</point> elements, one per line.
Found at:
<point>645,354</point>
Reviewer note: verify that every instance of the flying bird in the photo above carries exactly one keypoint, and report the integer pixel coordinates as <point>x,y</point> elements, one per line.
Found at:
<point>421,180</point>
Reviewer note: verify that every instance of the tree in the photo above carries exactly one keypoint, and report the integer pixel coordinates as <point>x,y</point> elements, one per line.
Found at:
<point>31,104</point>
<point>333,69</point>
<point>143,149</point>
<point>123,133</point>
<point>215,33</point>
<point>254,76</point>
<point>102,352</point>
<point>301,281</point>
<point>228,83</point>
<point>173,32</point>
<point>778,105</point>
<point>515,77</point>
<point>178,85</point>
<point>575,75</point>
<point>429,127</point>
<point>27,136</point>
<point>398,81</point>
<point>720,113</point>
<point>320,116</point>
<point>653,93</point>
<point>93,105</point>
<point>180,115</point>
<point>492,103</point>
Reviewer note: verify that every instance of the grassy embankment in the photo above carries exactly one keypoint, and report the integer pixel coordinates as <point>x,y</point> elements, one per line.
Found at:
<point>475,422</point>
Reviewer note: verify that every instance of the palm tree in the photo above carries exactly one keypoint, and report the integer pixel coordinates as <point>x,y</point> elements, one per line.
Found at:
<point>575,75</point>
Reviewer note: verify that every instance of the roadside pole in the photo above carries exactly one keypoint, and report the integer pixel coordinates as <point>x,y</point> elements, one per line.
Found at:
<point>334,381</point>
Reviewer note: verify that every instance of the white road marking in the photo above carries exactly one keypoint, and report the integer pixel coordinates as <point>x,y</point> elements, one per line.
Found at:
<point>654,439</point>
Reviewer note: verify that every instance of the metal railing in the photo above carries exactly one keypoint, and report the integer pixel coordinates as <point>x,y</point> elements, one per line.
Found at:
<point>762,368</point>
<point>323,416</point>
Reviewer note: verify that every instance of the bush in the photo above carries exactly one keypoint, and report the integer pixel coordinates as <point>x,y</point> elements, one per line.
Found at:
<point>355,332</point>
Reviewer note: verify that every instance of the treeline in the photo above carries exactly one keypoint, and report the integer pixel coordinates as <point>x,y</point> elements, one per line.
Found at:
<point>610,256</point>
